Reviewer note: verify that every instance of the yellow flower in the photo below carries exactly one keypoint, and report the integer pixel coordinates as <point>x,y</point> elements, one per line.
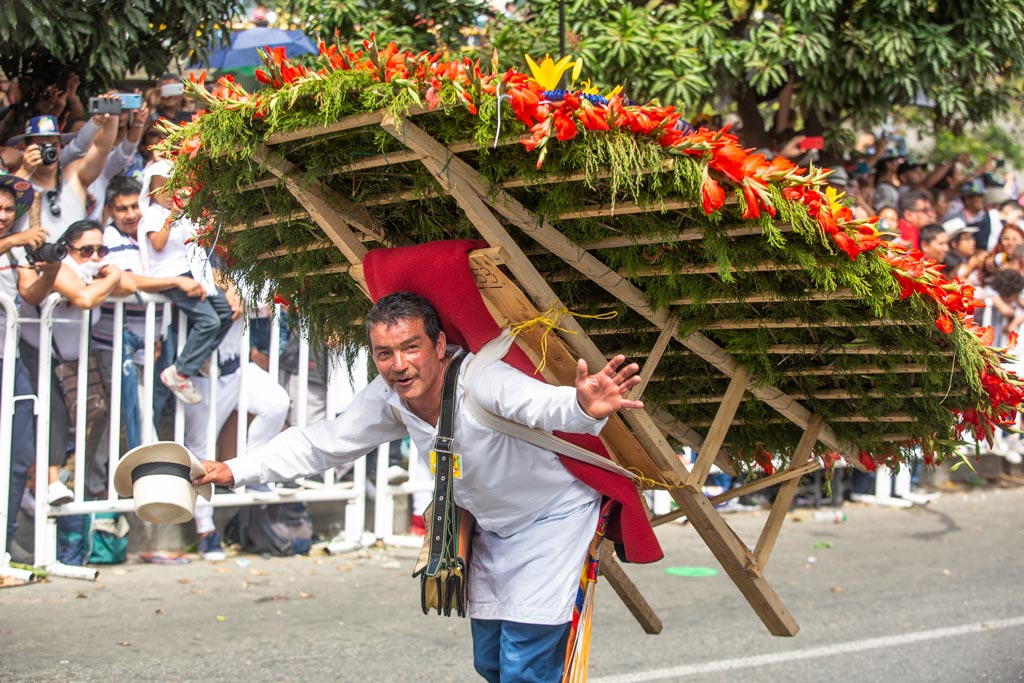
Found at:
<point>548,74</point>
<point>834,199</point>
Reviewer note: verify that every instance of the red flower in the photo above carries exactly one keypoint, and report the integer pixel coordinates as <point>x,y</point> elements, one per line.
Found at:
<point>868,462</point>
<point>712,196</point>
<point>565,127</point>
<point>944,324</point>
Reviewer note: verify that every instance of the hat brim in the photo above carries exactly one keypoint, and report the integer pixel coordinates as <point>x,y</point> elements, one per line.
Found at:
<point>161,451</point>
<point>65,138</point>
<point>23,193</point>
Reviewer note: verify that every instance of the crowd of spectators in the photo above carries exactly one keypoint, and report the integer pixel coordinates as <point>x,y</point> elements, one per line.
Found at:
<point>84,212</point>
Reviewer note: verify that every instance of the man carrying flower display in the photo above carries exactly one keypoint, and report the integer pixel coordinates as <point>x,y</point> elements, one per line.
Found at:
<point>535,521</point>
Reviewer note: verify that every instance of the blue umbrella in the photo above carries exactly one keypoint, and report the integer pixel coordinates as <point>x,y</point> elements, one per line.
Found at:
<point>241,50</point>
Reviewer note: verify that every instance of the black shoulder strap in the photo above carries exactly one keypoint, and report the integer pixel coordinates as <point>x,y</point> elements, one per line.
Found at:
<point>446,422</point>
<point>444,531</point>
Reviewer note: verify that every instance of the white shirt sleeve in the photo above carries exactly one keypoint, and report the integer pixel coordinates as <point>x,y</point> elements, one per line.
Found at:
<point>505,391</point>
<point>302,451</point>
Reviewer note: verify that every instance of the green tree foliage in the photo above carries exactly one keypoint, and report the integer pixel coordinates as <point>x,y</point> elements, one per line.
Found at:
<point>413,24</point>
<point>103,40</point>
<point>836,61</point>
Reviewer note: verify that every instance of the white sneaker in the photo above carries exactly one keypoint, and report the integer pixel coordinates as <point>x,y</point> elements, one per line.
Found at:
<point>58,494</point>
<point>28,503</point>
<point>180,386</point>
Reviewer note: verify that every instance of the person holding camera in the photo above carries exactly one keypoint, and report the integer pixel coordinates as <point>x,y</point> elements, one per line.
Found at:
<point>172,95</point>
<point>17,277</point>
<point>64,187</point>
<point>85,282</point>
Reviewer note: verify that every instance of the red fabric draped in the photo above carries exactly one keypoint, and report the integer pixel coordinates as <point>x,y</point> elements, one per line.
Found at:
<point>439,272</point>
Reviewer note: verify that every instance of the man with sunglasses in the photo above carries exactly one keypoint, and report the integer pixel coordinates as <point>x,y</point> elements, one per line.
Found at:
<point>64,186</point>
<point>85,282</point>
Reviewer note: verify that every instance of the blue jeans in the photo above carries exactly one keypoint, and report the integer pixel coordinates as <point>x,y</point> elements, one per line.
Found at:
<point>208,321</point>
<point>23,445</point>
<point>131,413</point>
<point>513,652</point>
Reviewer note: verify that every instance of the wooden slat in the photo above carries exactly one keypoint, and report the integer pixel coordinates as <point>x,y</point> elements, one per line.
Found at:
<point>362,120</point>
<point>626,208</point>
<point>825,395</point>
<point>897,417</point>
<point>270,219</point>
<point>706,269</point>
<point>285,251</point>
<point>690,234</point>
<point>751,487</point>
<point>336,269</point>
<point>770,297</point>
<point>797,324</point>
<point>899,369</point>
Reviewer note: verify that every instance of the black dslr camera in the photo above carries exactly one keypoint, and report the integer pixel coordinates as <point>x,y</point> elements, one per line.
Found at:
<point>48,150</point>
<point>47,252</point>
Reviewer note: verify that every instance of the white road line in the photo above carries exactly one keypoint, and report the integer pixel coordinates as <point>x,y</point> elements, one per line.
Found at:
<point>677,672</point>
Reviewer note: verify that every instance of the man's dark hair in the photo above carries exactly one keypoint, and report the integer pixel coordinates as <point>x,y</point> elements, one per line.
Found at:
<point>76,229</point>
<point>404,306</point>
<point>928,233</point>
<point>1008,283</point>
<point>121,185</point>
<point>911,197</point>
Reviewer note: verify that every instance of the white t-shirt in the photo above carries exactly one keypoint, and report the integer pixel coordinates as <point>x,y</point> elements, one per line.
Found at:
<point>124,253</point>
<point>177,257</point>
<point>9,264</point>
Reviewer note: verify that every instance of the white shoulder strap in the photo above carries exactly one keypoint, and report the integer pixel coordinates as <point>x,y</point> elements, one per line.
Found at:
<point>495,350</point>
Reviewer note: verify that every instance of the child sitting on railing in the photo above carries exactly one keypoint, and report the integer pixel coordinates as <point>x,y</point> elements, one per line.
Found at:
<point>168,251</point>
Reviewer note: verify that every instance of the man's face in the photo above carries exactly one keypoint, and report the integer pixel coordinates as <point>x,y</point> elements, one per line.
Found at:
<point>937,248</point>
<point>914,177</point>
<point>409,363</point>
<point>975,203</point>
<point>7,209</point>
<point>966,246</point>
<point>126,214</point>
<point>921,214</point>
<point>170,104</point>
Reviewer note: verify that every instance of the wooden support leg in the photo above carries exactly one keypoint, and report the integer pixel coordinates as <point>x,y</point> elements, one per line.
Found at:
<point>720,427</point>
<point>737,561</point>
<point>627,590</point>
<point>780,507</point>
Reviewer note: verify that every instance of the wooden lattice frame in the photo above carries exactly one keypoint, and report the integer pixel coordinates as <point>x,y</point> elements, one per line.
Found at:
<point>637,440</point>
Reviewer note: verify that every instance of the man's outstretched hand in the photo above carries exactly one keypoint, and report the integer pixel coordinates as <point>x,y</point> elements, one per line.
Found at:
<point>603,393</point>
<point>216,473</point>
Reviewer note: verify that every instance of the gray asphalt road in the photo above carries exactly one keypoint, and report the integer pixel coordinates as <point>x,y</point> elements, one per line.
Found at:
<point>930,594</point>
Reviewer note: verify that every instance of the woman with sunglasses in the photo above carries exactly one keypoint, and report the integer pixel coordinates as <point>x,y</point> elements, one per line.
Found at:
<point>84,282</point>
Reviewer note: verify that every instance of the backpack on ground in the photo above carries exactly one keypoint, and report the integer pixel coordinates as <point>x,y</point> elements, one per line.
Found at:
<point>283,529</point>
<point>100,538</point>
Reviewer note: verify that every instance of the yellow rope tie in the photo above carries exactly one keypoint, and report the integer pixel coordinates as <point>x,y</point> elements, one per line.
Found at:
<point>644,482</point>
<point>550,320</point>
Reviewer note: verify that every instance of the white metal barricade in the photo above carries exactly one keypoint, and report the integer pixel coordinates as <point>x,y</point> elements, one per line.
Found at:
<point>339,393</point>
<point>384,504</point>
